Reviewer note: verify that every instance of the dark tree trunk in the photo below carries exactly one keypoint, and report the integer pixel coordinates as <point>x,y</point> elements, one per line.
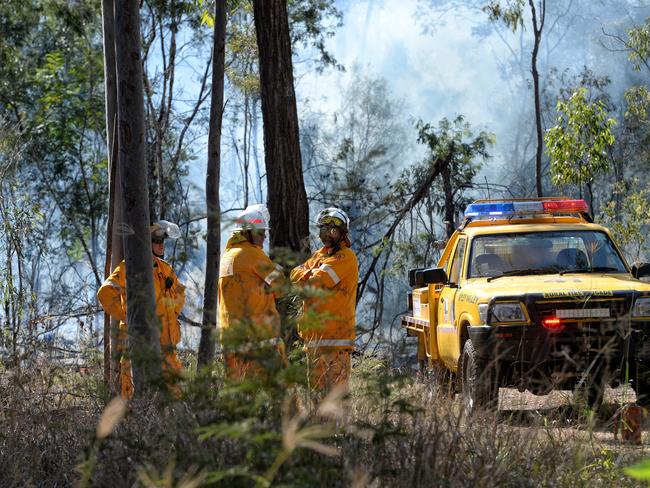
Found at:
<point>206,346</point>
<point>287,199</point>
<point>144,345</point>
<point>450,211</point>
<point>590,196</point>
<point>537,31</point>
<point>114,250</point>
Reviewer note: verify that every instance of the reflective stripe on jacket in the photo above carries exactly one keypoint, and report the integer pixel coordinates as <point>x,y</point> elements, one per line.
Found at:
<point>337,275</point>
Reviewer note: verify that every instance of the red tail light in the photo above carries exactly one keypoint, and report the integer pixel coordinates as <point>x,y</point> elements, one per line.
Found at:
<point>552,323</point>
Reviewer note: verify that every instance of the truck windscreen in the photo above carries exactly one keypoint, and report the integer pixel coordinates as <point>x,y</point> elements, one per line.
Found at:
<point>561,252</point>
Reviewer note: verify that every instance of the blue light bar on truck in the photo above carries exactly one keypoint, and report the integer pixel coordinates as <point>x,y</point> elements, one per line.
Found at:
<point>529,207</point>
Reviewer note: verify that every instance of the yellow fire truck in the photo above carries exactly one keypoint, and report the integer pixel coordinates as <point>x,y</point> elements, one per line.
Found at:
<point>532,294</point>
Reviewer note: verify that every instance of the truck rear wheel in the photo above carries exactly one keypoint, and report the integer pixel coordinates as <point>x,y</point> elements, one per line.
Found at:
<point>478,385</point>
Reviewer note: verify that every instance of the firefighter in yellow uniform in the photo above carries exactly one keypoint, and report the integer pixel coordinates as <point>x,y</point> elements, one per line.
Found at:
<point>249,283</point>
<point>334,269</point>
<point>170,298</point>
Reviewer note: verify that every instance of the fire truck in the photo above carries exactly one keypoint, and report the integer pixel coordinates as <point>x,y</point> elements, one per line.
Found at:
<point>532,294</point>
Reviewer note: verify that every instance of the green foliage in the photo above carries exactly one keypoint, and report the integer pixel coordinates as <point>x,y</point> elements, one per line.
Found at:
<point>511,12</point>
<point>270,420</point>
<point>637,101</point>
<point>312,22</point>
<point>63,117</point>
<point>241,51</point>
<point>577,145</point>
<point>627,215</point>
<point>639,45</point>
<point>640,470</point>
<point>454,141</point>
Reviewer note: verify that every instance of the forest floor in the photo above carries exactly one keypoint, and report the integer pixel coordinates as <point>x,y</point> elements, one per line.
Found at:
<point>392,430</point>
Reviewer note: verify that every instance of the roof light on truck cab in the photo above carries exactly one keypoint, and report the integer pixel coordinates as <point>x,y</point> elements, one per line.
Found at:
<point>489,209</point>
<point>508,208</point>
<point>558,206</point>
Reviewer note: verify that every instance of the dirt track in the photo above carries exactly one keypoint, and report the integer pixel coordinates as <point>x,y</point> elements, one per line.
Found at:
<point>511,399</point>
<point>554,413</point>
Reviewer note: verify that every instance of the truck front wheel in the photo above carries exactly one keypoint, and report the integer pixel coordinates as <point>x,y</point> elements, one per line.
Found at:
<point>478,385</point>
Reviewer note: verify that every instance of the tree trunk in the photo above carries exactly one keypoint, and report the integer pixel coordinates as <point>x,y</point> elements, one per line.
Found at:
<point>537,31</point>
<point>590,196</point>
<point>450,211</point>
<point>258,173</point>
<point>206,346</point>
<point>144,345</point>
<point>287,199</point>
<point>114,251</point>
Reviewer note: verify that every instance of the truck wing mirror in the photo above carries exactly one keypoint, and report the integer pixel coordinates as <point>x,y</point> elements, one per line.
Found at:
<point>434,276</point>
<point>415,279</point>
<point>641,271</point>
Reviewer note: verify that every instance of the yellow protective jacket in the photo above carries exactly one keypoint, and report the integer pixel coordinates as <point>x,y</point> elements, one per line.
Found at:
<point>170,298</point>
<point>337,275</point>
<point>248,282</point>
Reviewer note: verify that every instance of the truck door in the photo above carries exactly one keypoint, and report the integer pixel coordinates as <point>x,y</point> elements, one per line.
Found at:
<point>446,328</point>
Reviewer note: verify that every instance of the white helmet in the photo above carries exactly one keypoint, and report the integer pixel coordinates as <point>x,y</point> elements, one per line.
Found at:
<point>333,213</point>
<point>162,229</point>
<point>254,217</point>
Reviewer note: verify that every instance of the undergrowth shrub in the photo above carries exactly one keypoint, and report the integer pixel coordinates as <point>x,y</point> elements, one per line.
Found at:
<point>393,428</point>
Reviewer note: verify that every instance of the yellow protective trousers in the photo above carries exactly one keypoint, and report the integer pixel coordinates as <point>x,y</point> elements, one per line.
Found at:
<point>328,367</point>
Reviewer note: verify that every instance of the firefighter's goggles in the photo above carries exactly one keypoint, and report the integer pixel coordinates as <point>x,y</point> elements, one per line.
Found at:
<point>329,223</point>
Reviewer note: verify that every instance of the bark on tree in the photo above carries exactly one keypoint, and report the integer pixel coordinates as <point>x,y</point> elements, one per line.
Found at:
<point>144,345</point>
<point>450,210</point>
<point>287,199</point>
<point>538,26</point>
<point>114,249</point>
<point>209,324</point>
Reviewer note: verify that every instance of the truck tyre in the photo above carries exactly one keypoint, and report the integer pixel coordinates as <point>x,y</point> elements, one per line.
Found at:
<point>478,385</point>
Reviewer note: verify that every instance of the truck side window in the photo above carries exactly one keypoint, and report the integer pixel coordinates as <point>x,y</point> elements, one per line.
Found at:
<point>457,262</point>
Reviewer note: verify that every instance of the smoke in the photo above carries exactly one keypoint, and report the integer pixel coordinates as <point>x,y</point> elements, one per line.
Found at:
<point>445,58</point>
